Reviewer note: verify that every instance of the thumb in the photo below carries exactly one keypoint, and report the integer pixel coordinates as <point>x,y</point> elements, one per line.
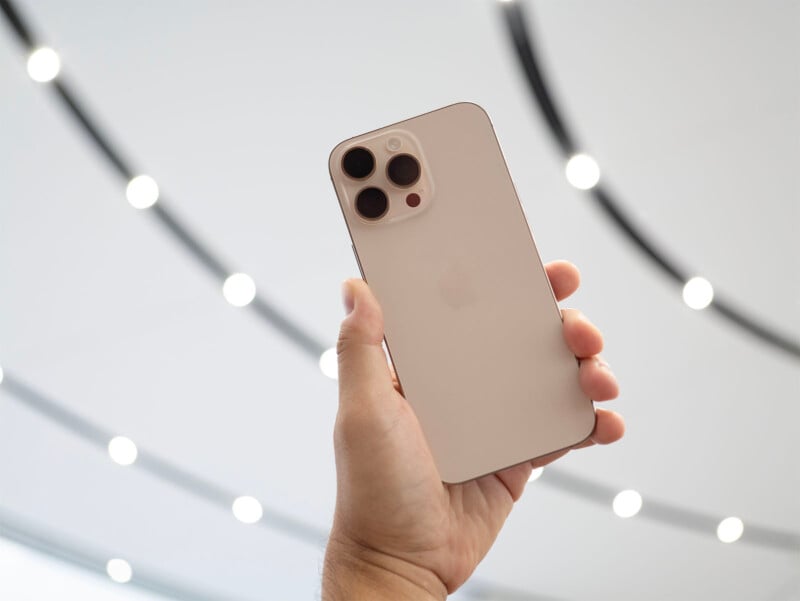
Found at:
<point>364,375</point>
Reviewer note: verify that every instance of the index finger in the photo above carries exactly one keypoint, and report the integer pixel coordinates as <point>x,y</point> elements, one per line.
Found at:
<point>564,278</point>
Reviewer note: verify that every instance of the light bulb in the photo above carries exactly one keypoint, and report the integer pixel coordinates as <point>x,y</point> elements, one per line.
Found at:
<point>535,474</point>
<point>730,530</point>
<point>329,363</point>
<point>122,450</point>
<point>582,171</point>
<point>239,289</point>
<point>43,64</point>
<point>1,374</point>
<point>142,191</point>
<point>698,293</point>
<point>627,503</point>
<point>247,509</point>
<point>119,570</point>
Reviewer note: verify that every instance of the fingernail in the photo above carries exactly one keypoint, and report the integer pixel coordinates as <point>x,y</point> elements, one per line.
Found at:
<point>603,364</point>
<point>347,297</point>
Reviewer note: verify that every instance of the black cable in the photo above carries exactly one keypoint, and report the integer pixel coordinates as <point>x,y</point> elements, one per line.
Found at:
<point>515,19</point>
<point>14,527</point>
<point>596,492</point>
<point>200,487</point>
<point>190,483</point>
<point>157,466</point>
<point>161,211</point>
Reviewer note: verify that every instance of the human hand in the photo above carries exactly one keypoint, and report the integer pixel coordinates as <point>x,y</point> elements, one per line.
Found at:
<point>398,531</point>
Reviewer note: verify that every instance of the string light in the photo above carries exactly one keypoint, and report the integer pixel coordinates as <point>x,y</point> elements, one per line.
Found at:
<point>43,64</point>
<point>122,450</point>
<point>730,530</point>
<point>627,503</point>
<point>119,570</point>
<point>247,509</point>
<point>698,293</point>
<point>329,363</point>
<point>514,14</point>
<point>176,227</point>
<point>535,474</point>
<point>582,171</point>
<point>239,289</point>
<point>142,192</point>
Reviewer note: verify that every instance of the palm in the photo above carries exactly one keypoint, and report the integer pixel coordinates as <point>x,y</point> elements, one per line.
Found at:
<point>447,528</point>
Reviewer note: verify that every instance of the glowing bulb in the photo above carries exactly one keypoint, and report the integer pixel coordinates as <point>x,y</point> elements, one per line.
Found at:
<point>239,289</point>
<point>43,64</point>
<point>730,530</point>
<point>535,474</point>
<point>1,374</point>
<point>698,293</point>
<point>119,570</point>
<point>627,503</point>
<point>122,450</point>
<point>142,191</point>
<point>247,509</point>
<point>582,171</point>
<point>329,363</point>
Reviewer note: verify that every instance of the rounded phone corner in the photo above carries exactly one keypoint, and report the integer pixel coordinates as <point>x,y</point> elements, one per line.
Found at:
<point>332,156</point>
<point>593,424</point>
<point>473,107</point>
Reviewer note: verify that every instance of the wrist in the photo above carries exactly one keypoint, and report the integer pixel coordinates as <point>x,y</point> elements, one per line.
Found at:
<point>354,572</point>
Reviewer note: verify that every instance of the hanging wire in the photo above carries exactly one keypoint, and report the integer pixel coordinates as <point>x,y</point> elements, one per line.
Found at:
<point>210,491</point>
<point>161,211</point>
<point>203,488</point>
<point>15,528</point>
<point>516,22</point>
<point>585,488</point>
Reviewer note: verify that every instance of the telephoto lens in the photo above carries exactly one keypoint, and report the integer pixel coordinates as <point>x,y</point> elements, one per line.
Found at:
<point>403,170</point>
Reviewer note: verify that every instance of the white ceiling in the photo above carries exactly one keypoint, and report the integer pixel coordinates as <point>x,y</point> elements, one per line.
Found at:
<point>693,112</point>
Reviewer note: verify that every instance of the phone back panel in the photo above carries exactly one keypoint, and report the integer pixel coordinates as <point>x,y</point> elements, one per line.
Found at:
<point>471,323</point>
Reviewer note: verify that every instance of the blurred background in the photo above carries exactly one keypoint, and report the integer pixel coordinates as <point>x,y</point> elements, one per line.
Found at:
<point>692,111</point>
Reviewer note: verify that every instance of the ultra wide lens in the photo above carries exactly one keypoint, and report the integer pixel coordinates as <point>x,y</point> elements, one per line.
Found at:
<point>403,170</point>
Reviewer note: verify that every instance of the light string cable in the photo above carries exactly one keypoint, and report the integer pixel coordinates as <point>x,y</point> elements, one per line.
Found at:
<point>78,554</point>
<point>525,49</point>
<point>187,481</point>
<point>21,531</point>
<point>143,192</point>
<point>59,414</point>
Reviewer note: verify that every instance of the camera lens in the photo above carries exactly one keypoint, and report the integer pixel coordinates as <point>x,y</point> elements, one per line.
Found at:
<point>403,170</point>
<point>358,163</point>
<point>372,203</point>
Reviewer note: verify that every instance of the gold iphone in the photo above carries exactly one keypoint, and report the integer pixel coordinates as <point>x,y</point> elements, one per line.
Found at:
<point>471,323</point>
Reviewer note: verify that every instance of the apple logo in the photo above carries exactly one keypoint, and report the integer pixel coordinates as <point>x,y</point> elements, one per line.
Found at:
<point>456,286</point>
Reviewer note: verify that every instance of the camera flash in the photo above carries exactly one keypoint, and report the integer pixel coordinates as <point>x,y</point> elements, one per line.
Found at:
<point>393,144</point>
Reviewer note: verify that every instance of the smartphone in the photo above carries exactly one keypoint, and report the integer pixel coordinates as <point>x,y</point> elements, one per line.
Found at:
<point>471,323</point>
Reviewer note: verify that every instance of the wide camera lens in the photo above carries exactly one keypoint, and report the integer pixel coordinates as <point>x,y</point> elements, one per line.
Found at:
<point>372,203</point>
<point>358,163</point>
<point>403,170</point>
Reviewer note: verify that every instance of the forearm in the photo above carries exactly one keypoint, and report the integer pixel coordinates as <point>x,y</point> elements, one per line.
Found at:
<point>352,573</point>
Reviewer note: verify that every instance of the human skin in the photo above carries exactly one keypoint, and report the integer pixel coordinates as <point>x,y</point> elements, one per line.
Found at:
<point>398,531</point>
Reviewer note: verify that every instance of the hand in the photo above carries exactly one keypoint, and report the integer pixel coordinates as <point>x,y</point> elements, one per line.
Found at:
<point>398,531</point>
